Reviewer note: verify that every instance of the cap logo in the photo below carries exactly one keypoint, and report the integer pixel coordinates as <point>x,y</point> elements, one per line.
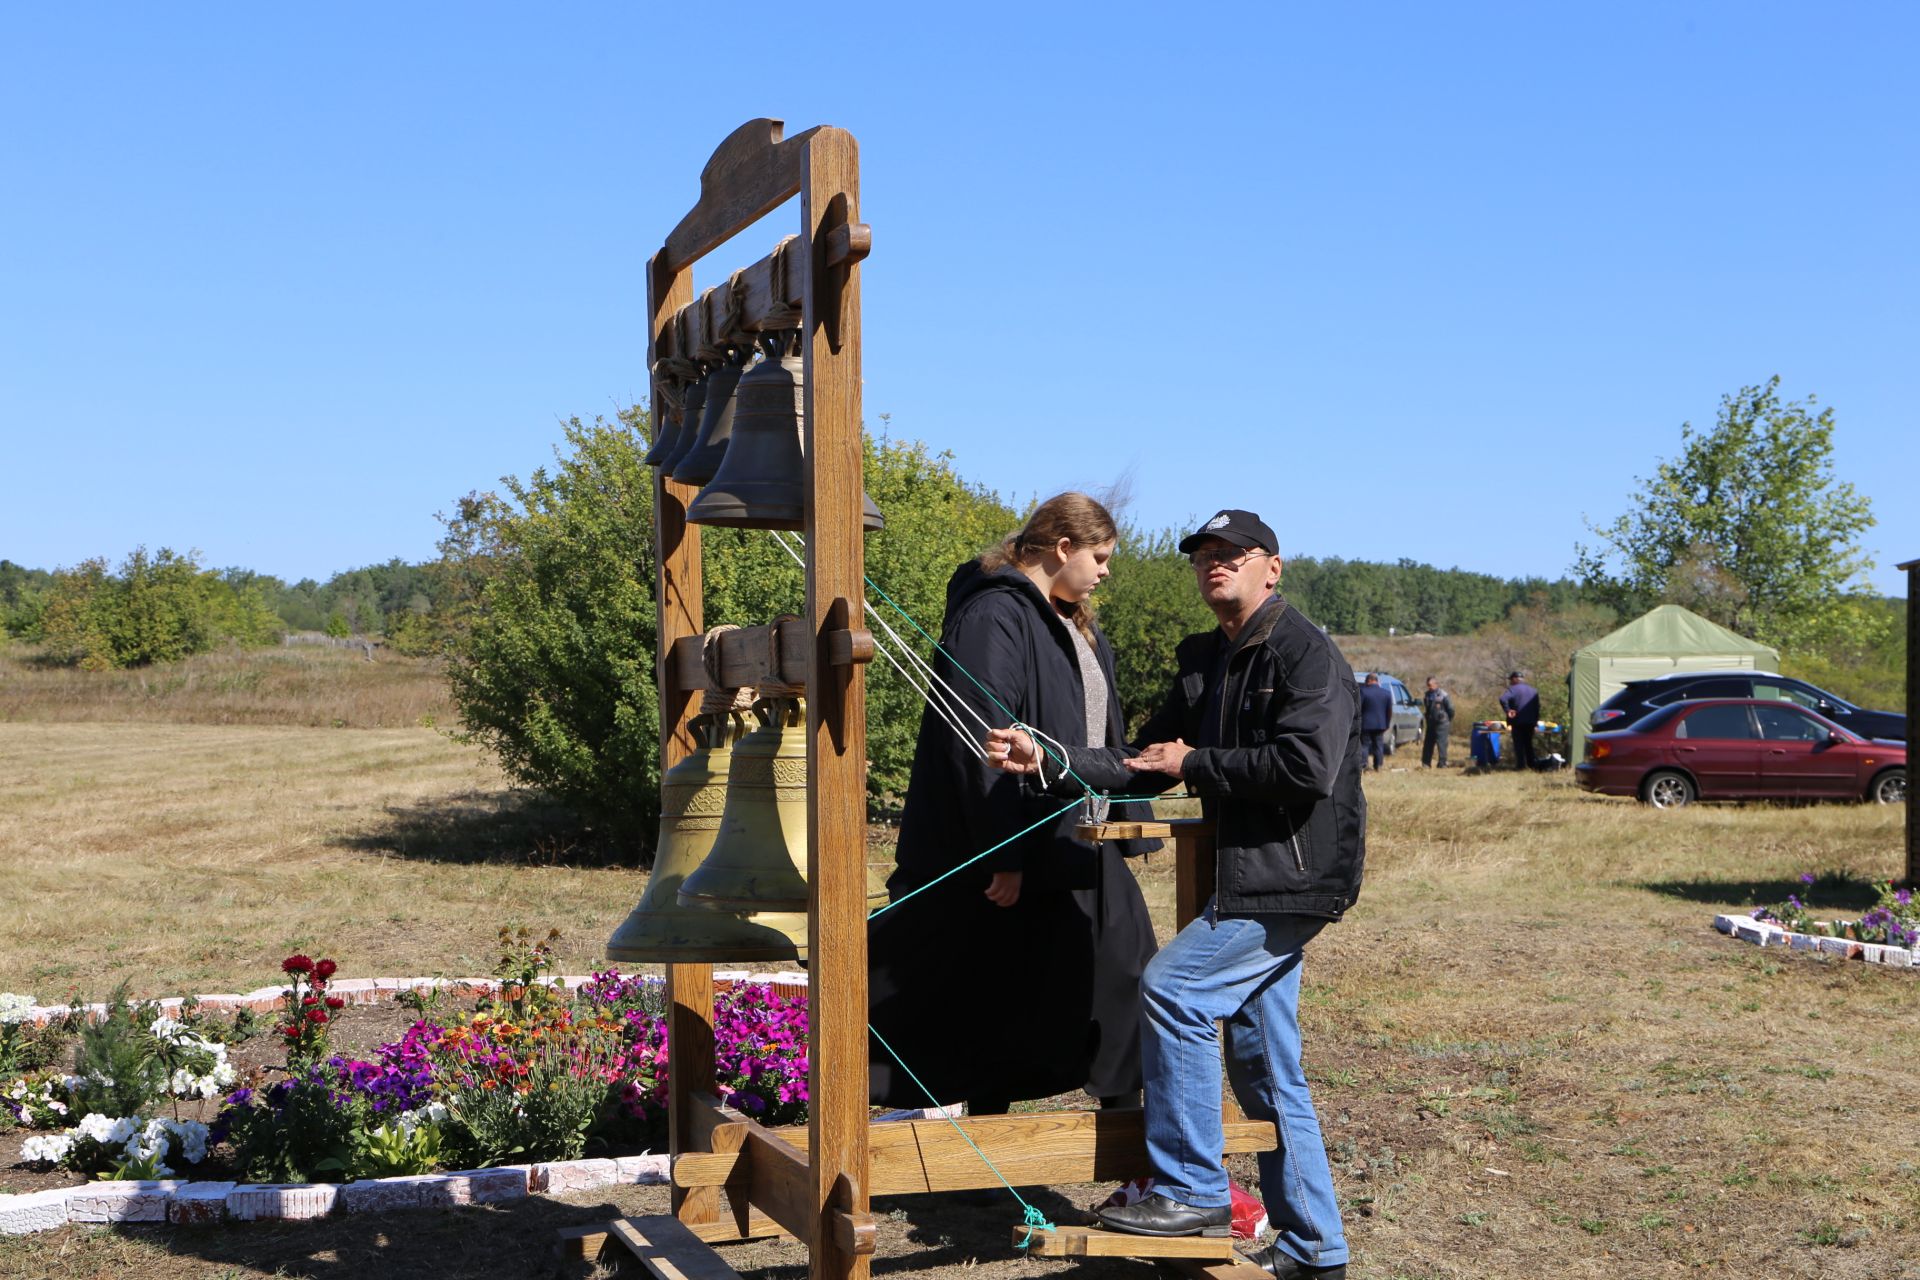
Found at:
<point>1220,521</point>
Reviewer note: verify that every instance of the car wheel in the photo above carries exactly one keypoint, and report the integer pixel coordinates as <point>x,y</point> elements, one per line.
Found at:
<point>1889,788</point>
<point>1667,790</point>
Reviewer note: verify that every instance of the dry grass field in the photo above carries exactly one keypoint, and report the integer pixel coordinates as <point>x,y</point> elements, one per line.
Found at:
<point>1533,1056</point>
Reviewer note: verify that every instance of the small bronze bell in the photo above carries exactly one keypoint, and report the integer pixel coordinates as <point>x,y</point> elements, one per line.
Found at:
<point>692,402</point>
<point>659,929</point>
<point>760,483</point>
<point>759,860</point>
<point>702,458</point>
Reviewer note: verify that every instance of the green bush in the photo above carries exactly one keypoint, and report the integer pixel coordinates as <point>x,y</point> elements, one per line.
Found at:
<point>157,608</point>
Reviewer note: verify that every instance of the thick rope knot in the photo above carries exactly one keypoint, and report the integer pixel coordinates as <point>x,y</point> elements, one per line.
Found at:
<point>719,700</point>
<point>1034,1221</point>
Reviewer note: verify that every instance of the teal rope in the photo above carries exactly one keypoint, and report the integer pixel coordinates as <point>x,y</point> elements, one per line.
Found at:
<point>1035,1220</point>
<point>969,862</point>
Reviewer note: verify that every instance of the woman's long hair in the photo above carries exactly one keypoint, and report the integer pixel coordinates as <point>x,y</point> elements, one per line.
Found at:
<point>1076,517</point>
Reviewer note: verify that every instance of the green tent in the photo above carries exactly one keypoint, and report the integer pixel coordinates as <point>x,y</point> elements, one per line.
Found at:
<point>1666,640</point>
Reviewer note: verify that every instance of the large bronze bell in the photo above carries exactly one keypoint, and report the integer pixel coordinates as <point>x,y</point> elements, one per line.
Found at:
<point>702,458</point>
<point>660,929</point>
<point>674,434</point>
<point>759,860</point>
<point>760,483</point>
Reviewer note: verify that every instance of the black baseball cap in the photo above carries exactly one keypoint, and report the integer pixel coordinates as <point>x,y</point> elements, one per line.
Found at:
<point>1241,528</point>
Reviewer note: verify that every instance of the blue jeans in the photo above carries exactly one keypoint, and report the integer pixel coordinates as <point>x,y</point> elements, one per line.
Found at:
<point>1245,970</point>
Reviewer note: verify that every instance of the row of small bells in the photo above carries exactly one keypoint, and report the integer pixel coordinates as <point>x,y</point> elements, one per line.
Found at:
<point>730,868</point>
<point>741,433</point>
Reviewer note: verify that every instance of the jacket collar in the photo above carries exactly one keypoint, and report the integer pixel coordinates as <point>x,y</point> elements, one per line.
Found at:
<point>1261,625</point>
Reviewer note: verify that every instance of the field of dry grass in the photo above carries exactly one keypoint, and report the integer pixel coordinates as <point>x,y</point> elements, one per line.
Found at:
<point>1533,1057</point>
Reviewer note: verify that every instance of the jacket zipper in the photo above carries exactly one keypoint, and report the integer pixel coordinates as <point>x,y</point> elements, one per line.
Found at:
<point>1299,860</point>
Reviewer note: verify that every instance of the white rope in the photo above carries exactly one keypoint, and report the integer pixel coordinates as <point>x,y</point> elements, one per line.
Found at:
<point>942,699</point>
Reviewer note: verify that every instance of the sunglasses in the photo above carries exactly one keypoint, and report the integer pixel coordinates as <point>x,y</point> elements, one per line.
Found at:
<point>1227,557</point>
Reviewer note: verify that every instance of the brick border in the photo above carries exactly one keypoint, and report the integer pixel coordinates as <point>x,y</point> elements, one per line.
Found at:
<point>207,1203</point>
<point>1765,933</point>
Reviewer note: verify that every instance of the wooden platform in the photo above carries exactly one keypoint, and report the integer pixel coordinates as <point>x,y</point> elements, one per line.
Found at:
<point>660,1243</point>
<point>1091,1242</point>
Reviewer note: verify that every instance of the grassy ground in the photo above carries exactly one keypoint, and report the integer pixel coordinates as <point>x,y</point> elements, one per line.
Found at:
<point>1532,1055</point>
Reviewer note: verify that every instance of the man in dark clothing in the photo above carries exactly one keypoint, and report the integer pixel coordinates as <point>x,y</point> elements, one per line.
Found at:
<point>1376,718</point>
<point>1436,713</point>
<point>1263,723</point>
<point>1521,702</point>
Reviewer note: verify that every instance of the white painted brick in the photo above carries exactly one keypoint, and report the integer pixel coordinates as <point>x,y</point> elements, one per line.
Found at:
<point>1803,942</point>
<point>120,1202</point>
<point>474,1186</point>
<point>380,1195</point>
<point>199,1203</point>
<point>34,1211</point>
<point>559,1176</point>
<point>1724,923</point>
<point>281,1202</point>
<point>646,1170</point>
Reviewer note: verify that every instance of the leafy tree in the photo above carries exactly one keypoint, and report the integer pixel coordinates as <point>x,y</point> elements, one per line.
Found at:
<point>23,598</point>
<point>554,667</point>
<point>1537,639</point>
<point>1747,526</point>
<point>156,608</point>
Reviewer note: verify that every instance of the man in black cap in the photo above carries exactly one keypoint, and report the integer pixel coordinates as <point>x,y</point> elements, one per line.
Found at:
<point>1263,724</point>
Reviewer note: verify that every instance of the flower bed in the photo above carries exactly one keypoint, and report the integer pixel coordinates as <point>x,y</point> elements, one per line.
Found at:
<point>536,1073</point>
<point>1887,933</point>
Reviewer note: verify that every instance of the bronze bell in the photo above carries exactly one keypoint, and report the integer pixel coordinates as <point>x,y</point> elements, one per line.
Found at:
<point>666,442</point>
<point>759,860</point>
<point>659,929</point>
<point>760,483</point>
<point>692,403</point>
<point>702,458</point>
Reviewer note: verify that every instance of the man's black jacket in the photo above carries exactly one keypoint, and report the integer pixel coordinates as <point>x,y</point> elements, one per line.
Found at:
<point>1282,778</point>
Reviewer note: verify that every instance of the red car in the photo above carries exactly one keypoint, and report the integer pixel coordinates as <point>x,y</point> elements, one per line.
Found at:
<point>1740,749</point>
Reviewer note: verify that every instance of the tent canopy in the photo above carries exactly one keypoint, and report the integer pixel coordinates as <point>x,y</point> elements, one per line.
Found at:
<point>1657,643</point>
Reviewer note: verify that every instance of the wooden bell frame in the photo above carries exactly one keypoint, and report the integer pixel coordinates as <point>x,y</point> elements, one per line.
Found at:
<point>820,1195</point>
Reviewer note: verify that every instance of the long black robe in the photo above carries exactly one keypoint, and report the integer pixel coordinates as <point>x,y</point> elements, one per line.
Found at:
<point>1043,997</point>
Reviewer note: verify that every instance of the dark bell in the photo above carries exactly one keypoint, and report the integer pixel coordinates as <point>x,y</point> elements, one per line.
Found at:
<point>702,458</point>
<point>761,480</point>
<point>692,403</point>
<point>667,443</point>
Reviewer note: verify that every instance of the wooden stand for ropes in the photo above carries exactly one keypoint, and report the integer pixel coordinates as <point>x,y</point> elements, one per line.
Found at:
<point>773,1185</point>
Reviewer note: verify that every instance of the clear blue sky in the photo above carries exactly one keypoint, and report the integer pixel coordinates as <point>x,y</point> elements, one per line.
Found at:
<point>278,282</point>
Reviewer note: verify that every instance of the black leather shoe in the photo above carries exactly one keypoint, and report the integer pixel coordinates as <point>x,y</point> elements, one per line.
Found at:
<point>1285,1267</point>
<point>1159,1216</point>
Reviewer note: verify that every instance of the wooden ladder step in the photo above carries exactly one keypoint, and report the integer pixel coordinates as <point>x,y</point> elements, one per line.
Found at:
<point>660,1243</point>
<point>1091,1242</point>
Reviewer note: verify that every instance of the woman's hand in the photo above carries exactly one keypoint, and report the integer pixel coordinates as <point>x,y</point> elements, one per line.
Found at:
<point>1004,889</point>
<point>1011,751</point>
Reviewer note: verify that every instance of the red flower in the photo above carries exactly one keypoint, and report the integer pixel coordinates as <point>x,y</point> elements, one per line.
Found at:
<point>309,1000</point>
<point>316,1015</point>
<point>325,969</point>
<point>297,964</point>
<point>291,1033</point>
<point>335,1002</point>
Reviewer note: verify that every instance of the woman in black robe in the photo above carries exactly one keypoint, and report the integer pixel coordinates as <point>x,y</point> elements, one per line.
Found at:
<point>1019,976</point>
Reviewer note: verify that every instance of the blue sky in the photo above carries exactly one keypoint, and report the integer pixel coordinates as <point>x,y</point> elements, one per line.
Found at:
<point>280,282</point>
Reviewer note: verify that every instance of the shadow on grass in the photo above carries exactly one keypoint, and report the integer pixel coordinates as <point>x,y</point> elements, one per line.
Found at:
<point>1827,892</point>
<point>514,828</point>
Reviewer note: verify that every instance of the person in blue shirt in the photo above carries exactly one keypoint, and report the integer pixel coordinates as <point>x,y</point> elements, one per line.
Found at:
<point>1376,718</point>
<point>1521,702</point>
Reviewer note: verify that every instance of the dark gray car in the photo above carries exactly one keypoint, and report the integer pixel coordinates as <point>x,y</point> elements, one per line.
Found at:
<point>1641,698</point>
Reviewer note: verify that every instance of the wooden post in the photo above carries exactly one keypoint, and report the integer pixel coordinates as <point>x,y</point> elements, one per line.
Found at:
<point>1913,715</point>
<point>836,702</point>
<point>678,612</point>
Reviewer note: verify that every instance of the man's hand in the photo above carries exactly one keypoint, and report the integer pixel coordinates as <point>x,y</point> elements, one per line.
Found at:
<point>1161,757</point>
<point>1004,889</point>
<point>1011,751</point>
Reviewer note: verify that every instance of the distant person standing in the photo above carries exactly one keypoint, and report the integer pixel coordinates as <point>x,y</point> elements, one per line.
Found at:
<point>1521,702</point>
<point>1436,709</point>
<point>1376,718</point>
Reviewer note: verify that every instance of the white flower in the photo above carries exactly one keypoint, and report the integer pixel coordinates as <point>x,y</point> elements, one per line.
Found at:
<point>172,1030</point>
<point>106,1130</point>
<point>51,1149</point>
<point>14,1008</point>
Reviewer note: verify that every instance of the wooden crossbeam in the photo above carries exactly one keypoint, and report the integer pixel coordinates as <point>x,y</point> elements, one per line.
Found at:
<point>907,1157</point>
<point>662,1244</point>
<point>1098,831</point>
<point>1091,1242</point>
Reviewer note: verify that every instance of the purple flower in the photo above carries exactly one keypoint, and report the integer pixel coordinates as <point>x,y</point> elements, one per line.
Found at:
<point>1806,877</point>
<point>1904,897</point>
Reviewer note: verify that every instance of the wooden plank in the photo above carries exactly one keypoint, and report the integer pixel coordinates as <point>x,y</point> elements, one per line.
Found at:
<point>1042,1148</point>
<point>748,176</point>
<point>774,653</point>
<point>1098,831</point>
<point>1091,1242</point>
<point>726,1231</point>
<point>677,583</point>
<point>1193,868</point>
<point>1236,1267</point>
<point>769,292</point>
<point>669,1251</point>
<point>836,705</point>
<point>772,1177</point>
<point>690,1058</point>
